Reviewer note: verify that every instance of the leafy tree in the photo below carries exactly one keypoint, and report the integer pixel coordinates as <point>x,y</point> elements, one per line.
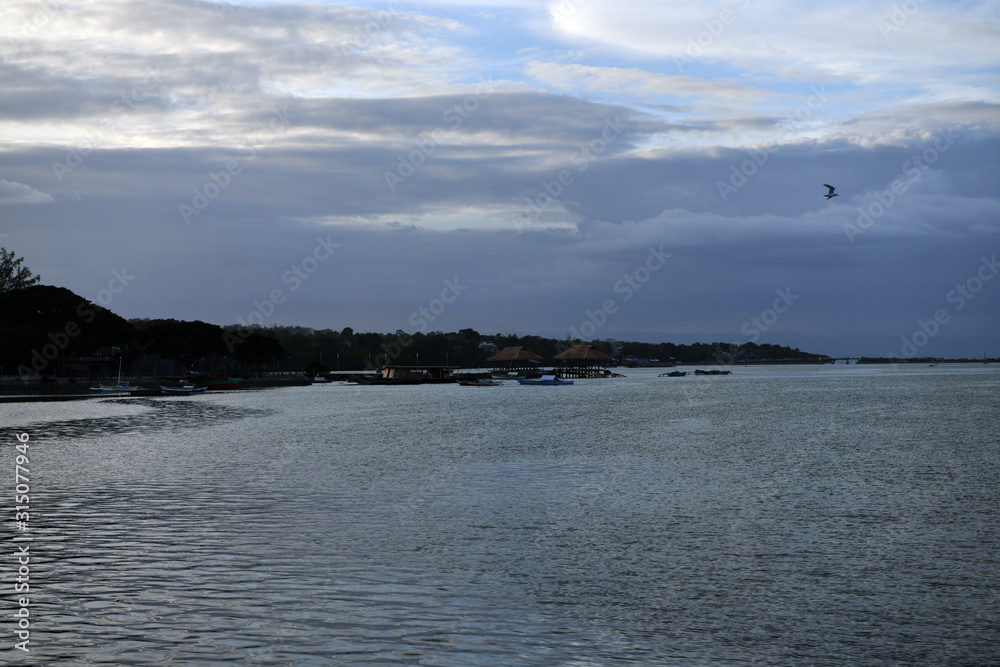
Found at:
<point>13,276</point>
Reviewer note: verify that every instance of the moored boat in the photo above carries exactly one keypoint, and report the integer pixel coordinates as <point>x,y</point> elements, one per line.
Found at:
<point>212,381</point>
<point>120,388</point>
<point>545,380</point>
<point>185,389</point>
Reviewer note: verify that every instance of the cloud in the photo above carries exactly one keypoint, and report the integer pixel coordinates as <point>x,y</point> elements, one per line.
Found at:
<point>860,39</point>
<point>651,84</point>
<point>18,193</point>
<point>201,69</point>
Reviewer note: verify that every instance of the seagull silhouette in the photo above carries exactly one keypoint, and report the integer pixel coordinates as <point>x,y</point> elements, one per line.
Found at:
<point>830,194</point>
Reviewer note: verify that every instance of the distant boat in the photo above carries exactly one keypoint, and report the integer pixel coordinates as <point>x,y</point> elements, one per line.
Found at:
<point>507,375</point>
<point>481,382</point>
<point>698,371</point>
<point>117,388</point>
<point>546,380</point>
<point>185,389</point>
<point>673,374</point>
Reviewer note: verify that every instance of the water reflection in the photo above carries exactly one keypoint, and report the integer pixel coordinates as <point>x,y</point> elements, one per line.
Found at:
<point>121,416</point>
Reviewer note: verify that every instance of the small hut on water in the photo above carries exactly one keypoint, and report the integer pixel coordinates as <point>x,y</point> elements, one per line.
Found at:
<point>583,361</point>
<point>514,360</point>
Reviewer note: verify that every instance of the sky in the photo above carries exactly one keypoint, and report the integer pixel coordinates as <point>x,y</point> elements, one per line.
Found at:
<point>648,171</point>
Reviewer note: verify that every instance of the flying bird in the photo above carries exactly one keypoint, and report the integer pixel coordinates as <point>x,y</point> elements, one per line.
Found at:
<point>830,194</point>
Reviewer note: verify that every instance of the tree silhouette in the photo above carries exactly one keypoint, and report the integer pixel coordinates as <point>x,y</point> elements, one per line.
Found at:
<point>188,342</point>
<point>13,276</point>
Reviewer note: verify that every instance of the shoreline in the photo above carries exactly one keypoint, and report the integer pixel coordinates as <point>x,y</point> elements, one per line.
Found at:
<point>17,390</point>
<point>14,390</point>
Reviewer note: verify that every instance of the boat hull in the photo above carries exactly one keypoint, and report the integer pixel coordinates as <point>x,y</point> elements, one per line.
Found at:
<point>183,390</point>
<point>550,383</point>
<point>214,382</point>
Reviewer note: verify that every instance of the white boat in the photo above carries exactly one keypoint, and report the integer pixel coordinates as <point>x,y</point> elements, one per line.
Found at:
<point>117,388</point>
<point>507,375</point>
<point>114,389</point>
<point>546,380</point>
<point>185,389</point>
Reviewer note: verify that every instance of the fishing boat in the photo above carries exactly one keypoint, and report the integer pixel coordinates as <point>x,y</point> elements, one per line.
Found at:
<point>545,380</point>
<point>698,371</point>
<point>117,388</point>
<point>673,374</point>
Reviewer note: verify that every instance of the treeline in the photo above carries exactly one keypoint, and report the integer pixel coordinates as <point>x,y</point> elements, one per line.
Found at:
<point>49,330</point>
<point>346,350</point>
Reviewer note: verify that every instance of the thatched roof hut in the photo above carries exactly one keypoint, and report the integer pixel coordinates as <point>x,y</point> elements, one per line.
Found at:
<point>514,359</point>
<point>583,361</point>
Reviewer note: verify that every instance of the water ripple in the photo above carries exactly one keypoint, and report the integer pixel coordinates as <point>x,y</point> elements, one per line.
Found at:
<point>796,519</point>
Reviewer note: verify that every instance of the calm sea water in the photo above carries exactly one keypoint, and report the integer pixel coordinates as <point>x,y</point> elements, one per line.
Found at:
<point>779,515</point>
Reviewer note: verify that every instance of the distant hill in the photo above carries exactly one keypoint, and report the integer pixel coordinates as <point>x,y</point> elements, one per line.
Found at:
<point>42,323</point>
